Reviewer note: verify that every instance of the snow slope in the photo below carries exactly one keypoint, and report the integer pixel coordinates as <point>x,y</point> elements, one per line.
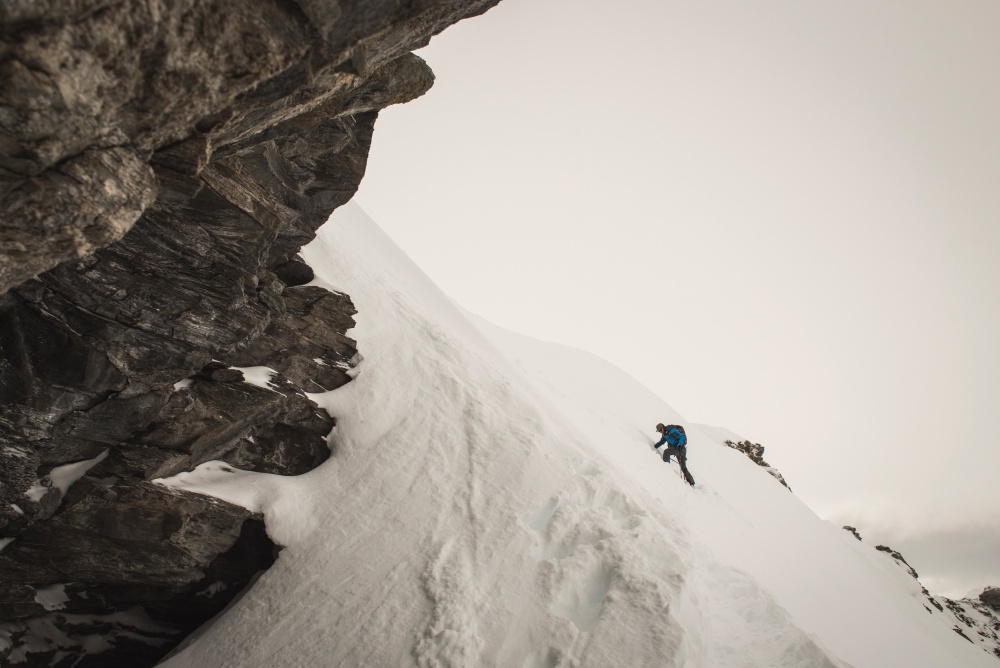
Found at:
<point>494,501</point>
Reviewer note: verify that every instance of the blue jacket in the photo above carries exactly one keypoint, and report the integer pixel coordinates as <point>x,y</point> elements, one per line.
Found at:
<point>672,437</point>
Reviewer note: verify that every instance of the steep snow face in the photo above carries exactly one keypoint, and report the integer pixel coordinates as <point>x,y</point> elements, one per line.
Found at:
<point>493,500</point>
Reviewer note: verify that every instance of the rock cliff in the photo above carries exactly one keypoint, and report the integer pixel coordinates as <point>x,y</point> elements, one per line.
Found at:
<point>161,164</point>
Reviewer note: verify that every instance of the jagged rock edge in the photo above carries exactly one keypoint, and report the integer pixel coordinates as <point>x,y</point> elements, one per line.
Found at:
<point>180,165</point>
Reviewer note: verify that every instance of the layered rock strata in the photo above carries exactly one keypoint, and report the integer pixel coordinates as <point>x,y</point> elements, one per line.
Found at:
<point>161,163</point>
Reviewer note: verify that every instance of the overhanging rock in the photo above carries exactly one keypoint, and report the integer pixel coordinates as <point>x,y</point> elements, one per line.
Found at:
<point>161,165</point>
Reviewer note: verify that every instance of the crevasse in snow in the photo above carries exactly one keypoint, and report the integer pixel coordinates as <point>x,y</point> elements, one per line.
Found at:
<point>493,500</point>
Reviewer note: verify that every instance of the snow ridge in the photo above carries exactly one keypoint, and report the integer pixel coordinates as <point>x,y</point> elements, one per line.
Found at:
<point>494,501</point>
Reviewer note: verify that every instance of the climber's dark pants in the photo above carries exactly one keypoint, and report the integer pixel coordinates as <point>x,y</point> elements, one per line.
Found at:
<point>680,452</point>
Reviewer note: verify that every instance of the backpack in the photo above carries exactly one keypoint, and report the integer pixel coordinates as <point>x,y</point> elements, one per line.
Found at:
<point>676,436</point>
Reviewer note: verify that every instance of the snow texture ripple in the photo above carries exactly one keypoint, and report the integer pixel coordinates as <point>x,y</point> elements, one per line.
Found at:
<point>494,501</point>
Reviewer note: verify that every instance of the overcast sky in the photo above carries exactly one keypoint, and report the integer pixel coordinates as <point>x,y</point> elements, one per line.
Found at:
<point>781,216</point>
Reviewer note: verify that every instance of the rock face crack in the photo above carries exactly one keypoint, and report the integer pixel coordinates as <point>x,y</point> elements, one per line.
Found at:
<point>161,164</point>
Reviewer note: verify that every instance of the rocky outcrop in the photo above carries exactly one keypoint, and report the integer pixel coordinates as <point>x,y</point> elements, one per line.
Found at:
<point>755,452</point>
<point>976,620</point>
<point>991,598</point>
<point>126,561</point>
<point>105,103</point>
<point>900,560</point>
<point>161,164</point>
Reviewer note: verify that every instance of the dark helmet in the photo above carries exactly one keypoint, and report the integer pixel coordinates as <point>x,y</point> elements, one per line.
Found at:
<point>660,427</point>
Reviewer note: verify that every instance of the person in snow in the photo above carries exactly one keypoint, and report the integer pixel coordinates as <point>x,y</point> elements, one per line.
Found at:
<point>675,438</point>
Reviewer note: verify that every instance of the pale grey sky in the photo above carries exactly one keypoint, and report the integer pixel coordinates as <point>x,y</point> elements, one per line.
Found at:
<point>781,216</point>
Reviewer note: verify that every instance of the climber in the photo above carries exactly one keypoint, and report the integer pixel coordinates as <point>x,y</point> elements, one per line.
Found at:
<point>675,438</point>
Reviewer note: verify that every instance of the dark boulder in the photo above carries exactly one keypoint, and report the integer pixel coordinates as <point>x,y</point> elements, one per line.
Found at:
<point>294,272</point>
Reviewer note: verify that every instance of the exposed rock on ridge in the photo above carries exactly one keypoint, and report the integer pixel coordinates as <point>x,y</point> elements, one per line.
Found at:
<point>900,560</point>
<point>976,620</point>
<point>161,164</point>
<point>755,452</point>
<point>991,597</point>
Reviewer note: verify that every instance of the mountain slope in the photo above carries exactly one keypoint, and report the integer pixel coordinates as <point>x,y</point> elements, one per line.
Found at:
<point>504,508</point>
